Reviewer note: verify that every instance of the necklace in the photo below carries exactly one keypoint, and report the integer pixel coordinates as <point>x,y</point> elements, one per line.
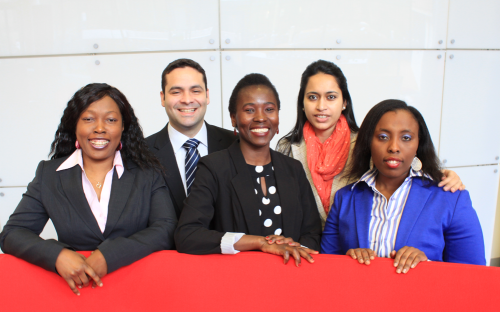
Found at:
<point>99,185</point>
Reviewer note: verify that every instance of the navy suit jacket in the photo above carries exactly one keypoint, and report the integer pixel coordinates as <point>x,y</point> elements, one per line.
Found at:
<point>441,224</point>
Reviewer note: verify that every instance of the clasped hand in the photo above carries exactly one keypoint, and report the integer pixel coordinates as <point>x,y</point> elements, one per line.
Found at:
<point>76,269</point>
<point>286,246</point>
<point>405,259</point>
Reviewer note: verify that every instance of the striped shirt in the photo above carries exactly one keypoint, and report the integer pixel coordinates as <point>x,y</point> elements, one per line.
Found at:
<point>386,214</point>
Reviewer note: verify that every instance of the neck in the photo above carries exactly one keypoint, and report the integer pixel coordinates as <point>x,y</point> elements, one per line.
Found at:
<point>100,168</point>
<point>323,135</point>
<point>387,186</point>
<point>190,132</point>
<point>255,156</point>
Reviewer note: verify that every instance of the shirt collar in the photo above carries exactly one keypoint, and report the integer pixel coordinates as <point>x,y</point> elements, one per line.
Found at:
<point>178,139</point>
<point>77,159</point>
<point>371,175</point>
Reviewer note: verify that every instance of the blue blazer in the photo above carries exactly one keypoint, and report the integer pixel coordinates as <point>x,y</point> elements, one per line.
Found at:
<point>441,224</point>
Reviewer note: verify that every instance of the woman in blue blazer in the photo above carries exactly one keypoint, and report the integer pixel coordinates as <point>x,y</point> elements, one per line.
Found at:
<point>396,209</point>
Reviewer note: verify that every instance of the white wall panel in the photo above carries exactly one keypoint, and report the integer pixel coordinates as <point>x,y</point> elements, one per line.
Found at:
<point>482,184</point>
<point>388,24</point>
<point>34,96</point>
<point>9,198</point>
<point>413,76</point>
<point>474,24</point>
<point>44,27</point>
<point>471,108</point>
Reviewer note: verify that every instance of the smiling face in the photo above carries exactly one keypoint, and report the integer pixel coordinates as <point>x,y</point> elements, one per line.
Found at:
<point>99,130</point>
<point>323,104</point>
<point>394,144</point>
<point>185,100</point>
<point>256,117</point>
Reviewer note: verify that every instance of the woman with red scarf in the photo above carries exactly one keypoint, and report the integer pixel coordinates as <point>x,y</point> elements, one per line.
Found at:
<point>325,133</point>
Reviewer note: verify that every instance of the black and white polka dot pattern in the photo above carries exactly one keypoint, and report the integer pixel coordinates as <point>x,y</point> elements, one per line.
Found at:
<point>269,204</point>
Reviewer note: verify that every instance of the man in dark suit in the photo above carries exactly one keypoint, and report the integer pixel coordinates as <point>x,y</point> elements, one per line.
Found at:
<point>186,137</point>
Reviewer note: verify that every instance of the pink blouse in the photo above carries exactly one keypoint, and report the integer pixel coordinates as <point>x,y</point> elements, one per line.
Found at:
<point>99,208</point>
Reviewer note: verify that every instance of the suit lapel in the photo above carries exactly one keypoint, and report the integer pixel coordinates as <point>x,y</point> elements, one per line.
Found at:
<point>167,157</point>
<point>120,191</point>
<point>213,139</point>
<point>243,186</point>
<point>414,204</point>
<point>363,201</point>
<point>285,188</point>
<point>71,181</point>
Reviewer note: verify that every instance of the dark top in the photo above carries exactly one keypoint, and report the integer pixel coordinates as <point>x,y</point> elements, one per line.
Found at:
<point>141,217</point>
<point>269,204</point>
<point>223,200</point>
<point>159,144</point>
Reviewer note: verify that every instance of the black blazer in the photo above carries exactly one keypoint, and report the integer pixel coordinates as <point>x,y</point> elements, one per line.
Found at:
<point>141,218</point>
<point>222,199</point>
<point>159,144</point>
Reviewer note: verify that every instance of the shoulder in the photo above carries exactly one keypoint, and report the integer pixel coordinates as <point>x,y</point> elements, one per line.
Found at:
<point>220,132</point>
<point>53,164</point>
<point>288,161</point>
<point>219,158</point>
<point>151,140</point>
<point>283,147</point>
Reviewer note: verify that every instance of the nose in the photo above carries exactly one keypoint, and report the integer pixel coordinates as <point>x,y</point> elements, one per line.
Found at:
<point>259,116</point>
<point>393,146</point>
<point>186,98</point>
<point>320,105</point>
<point>100,127</point>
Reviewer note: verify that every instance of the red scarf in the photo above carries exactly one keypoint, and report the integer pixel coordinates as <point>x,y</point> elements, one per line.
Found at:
<point>327,159</point>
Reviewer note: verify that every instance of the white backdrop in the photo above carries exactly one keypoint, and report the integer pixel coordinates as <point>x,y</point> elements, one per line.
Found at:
<point>437,55</point>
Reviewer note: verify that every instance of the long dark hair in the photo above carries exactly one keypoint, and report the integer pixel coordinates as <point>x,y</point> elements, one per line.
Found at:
<point>325,67</point>
<point>362,150</point>
<point>134,147</point>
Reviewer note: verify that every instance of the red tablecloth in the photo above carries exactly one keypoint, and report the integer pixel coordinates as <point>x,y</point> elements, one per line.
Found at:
<point>254,281</point>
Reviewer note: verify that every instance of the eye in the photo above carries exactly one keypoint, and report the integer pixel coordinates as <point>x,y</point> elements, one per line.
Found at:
<point>331,97</point>
<point>312,97</point>
<point>270,109</point>
<point>249,110</point>
<point>112,120</point>
<point>406,137</point>
<point>86,118</point>
<point>383,137</point>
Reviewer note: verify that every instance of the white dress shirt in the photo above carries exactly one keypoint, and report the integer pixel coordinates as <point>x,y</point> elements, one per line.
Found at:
<point>178,139</point>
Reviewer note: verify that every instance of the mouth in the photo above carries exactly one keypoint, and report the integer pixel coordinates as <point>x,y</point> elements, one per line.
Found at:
<point>321,117</point>
<point>393,162</point>
<point>187,110</point>
<point>260,130</point>
<point>99,143</point>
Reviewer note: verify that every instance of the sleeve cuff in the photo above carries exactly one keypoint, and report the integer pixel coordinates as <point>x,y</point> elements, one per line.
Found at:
<point>227,243</point>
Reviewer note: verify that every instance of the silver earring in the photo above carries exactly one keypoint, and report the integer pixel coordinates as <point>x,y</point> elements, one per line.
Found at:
<point>371,164</point>
<point>416,164</point>
<point>343,108</point>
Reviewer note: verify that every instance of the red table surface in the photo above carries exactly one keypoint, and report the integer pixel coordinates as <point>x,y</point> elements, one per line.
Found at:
<point>254,281</point>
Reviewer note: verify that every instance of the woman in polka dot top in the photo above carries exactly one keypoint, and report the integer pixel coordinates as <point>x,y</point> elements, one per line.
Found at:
<point>249,197</point>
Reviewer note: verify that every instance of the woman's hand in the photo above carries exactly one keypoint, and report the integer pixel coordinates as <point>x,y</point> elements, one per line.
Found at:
<point>451,181</point>
<point>286,250</point>
<point>406,258</point>
<point>363,255</point>
<point>279,239</point>
<point>73,268</point>
<point>97,261</point>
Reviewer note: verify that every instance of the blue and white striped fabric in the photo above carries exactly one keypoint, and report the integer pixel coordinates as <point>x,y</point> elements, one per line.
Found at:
<point>386,214</point>
<point>192,157</point>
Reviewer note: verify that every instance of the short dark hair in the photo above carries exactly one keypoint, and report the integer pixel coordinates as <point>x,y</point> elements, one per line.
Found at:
<point>247,81</point>
<point>181,63</point>
<point>362,150</point>
<point>325,67</point>
<point>134,146</point>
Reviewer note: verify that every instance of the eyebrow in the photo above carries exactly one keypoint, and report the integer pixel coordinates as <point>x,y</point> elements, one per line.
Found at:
<point>272,103</point>
<point>386,130</point>
<point>180,88</point>
<point>315,92</point>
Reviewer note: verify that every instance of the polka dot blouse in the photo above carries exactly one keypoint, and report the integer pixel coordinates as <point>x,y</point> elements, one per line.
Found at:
<point>269,208</point>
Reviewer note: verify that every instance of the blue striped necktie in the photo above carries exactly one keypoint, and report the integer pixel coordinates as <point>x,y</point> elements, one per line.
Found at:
<point>192,157</point>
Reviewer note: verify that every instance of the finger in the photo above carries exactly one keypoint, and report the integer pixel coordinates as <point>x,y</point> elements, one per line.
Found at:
<point>393,254</point>
<point>402,260</point>
<point>371,253</point>
<point>83,279</point>
<point>294,244</point>
<point>288,240</point>
<point>304,254</point>
<point>72,285</point>
<point>417,260</point>
<point>286,256</point>
<point>366,256</point>
<point>398,255</point>
<point>410,259</point>
<point>359,256</point>
<point>311,251</point>
<point>462,187</point>
<point>93,284</point>
<point>351,253</point>
<point>93,275</point>
<point>81,256</point>
<point>296,255</point>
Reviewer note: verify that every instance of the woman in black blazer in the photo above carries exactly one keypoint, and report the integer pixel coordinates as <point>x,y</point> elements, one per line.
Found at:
<point>249,197</point>
<point>103,190</point>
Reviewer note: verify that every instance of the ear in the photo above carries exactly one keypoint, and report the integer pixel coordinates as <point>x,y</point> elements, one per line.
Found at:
<point>208,97</point>
<point>233,121</point>
<point>162,98</point>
